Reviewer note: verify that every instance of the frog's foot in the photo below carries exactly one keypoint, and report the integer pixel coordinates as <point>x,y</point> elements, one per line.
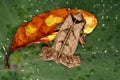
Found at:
<point>69,60</point>
<point>47,53</point>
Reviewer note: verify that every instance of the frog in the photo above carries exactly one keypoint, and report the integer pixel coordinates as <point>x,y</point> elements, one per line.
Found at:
<point>66,42</point>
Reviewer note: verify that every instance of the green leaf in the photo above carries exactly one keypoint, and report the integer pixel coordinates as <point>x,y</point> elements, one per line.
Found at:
<point>100,57</point>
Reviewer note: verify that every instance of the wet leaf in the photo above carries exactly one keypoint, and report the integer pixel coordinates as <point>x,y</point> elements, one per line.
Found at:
<point>103,42</point>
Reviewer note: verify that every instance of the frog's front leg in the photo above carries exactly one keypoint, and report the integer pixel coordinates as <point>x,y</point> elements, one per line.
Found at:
<point>82,39</point>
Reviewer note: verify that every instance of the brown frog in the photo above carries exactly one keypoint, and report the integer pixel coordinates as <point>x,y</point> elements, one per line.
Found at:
<point>66,42</point>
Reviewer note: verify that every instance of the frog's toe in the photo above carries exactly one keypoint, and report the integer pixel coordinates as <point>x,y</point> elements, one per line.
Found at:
<point>70,60</point>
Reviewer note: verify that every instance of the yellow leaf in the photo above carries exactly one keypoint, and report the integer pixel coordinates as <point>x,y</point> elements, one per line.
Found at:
<point>51,20</point>
<point>30,29</point>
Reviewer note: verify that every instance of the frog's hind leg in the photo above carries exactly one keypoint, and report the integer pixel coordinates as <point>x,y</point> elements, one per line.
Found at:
<point>69,60</point>
<point>47,53</point>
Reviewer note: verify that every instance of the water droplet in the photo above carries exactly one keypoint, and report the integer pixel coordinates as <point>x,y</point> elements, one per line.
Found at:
<point>38,70</point>
<point>39,1</point>
<point>22,6</point>
<point>107,69</point>
<point>103,25</point>
<point>96,48</point>
<point>116,17</point>
<point>22,70</point>
<point>117,51</point>
<point>98,5</point>
<point>30,16</point>
<point>50,64</point>
<point>98,39</point>
<point>24,78</point>
<point>37,79</point>
<point>4,48</point>
<point>67,2</point>
<point>92,71</point>
<point>25,20</point>
<point>30,67</point>
<point>101,0</point>
<point>0,56</point>
<point>111,1</point>
<point>1,43</point>
<point>37,10</point>
<point>94,6</point>
<point>44,2</point>
<point>107,17</point>
<point>31,79</point>
<point>102,17</point>
<point>105,51</point>
<point>93,52</point>
<point>103,5</point>
<point>25,63</point>
<point>115,4</point>
<point>31,4</point>
<point>8,39</point>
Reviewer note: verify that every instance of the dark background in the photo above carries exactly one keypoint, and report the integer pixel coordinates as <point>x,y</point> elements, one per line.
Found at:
<point>101,56</point>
